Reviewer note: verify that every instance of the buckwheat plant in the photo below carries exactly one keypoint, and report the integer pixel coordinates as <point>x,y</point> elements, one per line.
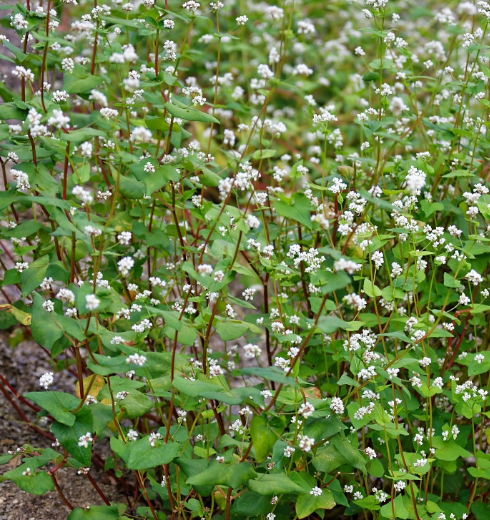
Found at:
<point>256,237</point>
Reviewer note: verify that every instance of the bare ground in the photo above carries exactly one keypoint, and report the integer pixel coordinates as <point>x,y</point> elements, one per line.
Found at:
<point>22,367</point>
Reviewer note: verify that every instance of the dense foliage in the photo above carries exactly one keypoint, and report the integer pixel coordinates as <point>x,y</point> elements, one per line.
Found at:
<point>256,237</point>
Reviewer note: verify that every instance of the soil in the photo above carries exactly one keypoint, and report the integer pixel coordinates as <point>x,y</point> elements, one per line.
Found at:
<point>22,366</point>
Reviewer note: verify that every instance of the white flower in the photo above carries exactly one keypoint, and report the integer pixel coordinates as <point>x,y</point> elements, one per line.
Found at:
<point>324,117</point>
<point>204,269</point>
<point>108,113</point>
<point>252,351</point>
<point>23,73</point>
<point>68,65</point>
<point>93,231</point>
<point>253,221</point>
<point>125,265</point>
<point>306,409</point>
<point>378,259</point>
<point>337,405</point>
<point>305,442</point>
<point>66,296</point>
<point>48,306</point>
<point>316,491</point>
<point>125,238</point>
<point>415,180</point>
<point>438,382</point>
<point>153,438</point>
<point>191,6</point>
<point>399,486</point>
<point>420,463</point>
<point>140,134</point>
<point>21,266</point>
<point>215,370</point>
<point>92,302</point>
<point>132,435</point>
<point>370,453</point>
<point>22,180</point>
<point>46,380</point>
<point>288,451</point>
<point>136,359</point>
<point>84,440</point>
<point>474,277</point>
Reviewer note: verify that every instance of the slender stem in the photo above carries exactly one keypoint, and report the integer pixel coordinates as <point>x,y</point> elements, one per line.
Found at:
<point>60,492</point>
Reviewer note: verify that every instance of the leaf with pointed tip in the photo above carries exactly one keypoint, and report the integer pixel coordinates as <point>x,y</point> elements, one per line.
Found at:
<point>231,475</point>
<point>275,484</point>
<point>142,455</point>
<point>307,503</point>
<point>58,404</point>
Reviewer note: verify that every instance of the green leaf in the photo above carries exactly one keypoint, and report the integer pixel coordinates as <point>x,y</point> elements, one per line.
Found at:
<point>449,450</point>
<point>352,455</point>
<point>108,365</point>
<point>69,436</point>
<point>479,308</point>
<point>332,282</point>
<point>331,324</point>
<point>76,85</point>
<point>327,459</point>
<point>264,154</point>
<point>136,404</point>
<point>298,209</point>
<point>372,290</point>
<point>48,202</point>
<point>449,281</point>
<point>368,502</point>
<point>16,51</point>
<point>323,428</point>
<point>207,390</point>
<point>34,275</point>
<point>270,374</point>
<point>274,484</point>
<point>458,173</point>
<point>142,455</point>
<point>265,434</point>
<point>193,467</point>
<point>6,58</point>
<point>6,457</point>
<point>58,404</point>
<point>375,468</point>
<point>307,503</point>
<point>398,506</point>
<point>82,135</point>
<point>38,483</point>
<point>430,207</point>
<point>346,380</point>
<point>44,330</point>
<point>132,188</point>
<point>11,111</point>
<point>157,123</point>
<point>251,504</point>
<point>481,510</point>
<point>121,21</point>
<point>231,329</point>
<point>94,513</point>
<point>231,475</point>
<point>171,317</point>
<point>188,113</point>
